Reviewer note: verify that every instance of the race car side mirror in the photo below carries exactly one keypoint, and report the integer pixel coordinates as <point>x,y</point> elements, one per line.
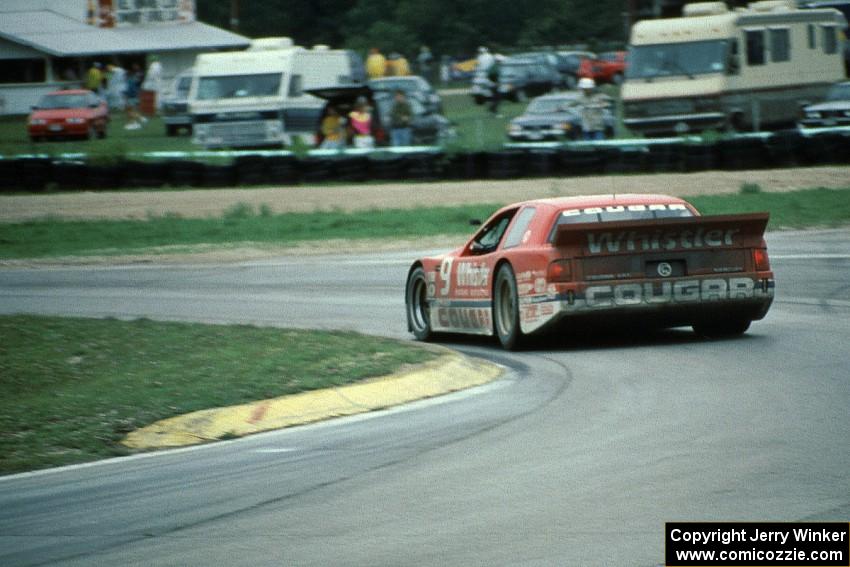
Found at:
<point>474,222</point>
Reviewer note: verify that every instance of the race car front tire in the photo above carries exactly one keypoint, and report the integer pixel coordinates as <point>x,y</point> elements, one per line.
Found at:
<point>506,308</point>
<point>418,309</point>
<point>718,329</point>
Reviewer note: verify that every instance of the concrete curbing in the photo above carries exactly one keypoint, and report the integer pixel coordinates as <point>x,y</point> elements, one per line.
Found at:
<point>449,373</point>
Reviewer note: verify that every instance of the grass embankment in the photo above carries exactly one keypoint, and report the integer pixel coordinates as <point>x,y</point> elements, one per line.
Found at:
<point>243,224</point>
<point>70,389</point>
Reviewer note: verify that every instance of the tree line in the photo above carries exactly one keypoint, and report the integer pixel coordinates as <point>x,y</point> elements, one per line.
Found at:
<point>448,27</point>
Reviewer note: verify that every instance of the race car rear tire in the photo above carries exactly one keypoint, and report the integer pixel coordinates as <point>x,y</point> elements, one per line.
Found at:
<point>417,307</point>
<point>722,328</point>
<point>506,308</point>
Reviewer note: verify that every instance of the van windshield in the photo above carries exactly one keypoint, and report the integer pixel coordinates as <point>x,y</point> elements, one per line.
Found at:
<point>677,59</point>
<point>239,86</point>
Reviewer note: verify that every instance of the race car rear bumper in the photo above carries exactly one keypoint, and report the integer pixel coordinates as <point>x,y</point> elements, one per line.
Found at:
<point>663,304</point>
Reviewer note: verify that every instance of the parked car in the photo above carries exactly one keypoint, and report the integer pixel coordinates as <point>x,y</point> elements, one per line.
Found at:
<point>545,58</point>
<point>833,111</point>
<point>518,79</point>
<point>553,117</point>
<point>73,113</point>
<point>175,105</point>
<point>569,64</point>
<point>427,127</point>
<point>414,86</point>
<point>607,67</point>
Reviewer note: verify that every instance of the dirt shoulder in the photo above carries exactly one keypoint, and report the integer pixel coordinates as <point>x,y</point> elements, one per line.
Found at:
<point>196,203</point>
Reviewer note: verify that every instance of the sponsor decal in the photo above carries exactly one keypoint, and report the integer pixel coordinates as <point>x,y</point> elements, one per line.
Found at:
<point>464,318</point>
<point>632,241</point>
<point>470,274</point>
<point>682,291</point>
<point>665,270</point>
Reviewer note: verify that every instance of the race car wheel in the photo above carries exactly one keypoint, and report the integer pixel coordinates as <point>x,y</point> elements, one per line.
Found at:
<point>418,310</point>
<point>506,308</point>
<point>722,328</point>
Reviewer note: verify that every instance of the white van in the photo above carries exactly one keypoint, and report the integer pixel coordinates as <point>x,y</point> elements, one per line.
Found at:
<point>722,69</point>
<point>256,98</point>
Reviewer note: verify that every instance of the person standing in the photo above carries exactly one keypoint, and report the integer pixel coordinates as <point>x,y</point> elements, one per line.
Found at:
<point>132,90</point>
<point>153,81</point>
<point>424,61</point>
<point>401,117</point>
<point>94,78</point>
<point>593,106</point>
<point>332,131</point>
<point>485,60</point>
<point>376,64</point>
<point>493,74</point>
<point>116,86</point>
<point>360,121</point>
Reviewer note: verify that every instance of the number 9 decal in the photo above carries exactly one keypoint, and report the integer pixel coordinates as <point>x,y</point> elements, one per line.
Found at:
<point>446,275</point>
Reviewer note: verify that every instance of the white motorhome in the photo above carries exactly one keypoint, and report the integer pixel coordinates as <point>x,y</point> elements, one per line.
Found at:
<point>722,69</point>
<point>256,98</point>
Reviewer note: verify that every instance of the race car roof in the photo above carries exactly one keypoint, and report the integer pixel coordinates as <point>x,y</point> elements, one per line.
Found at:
<point>583,201</point>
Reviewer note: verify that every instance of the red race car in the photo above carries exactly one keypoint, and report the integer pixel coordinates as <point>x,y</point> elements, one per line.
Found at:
<point>68,114</point>
<point>608,67</point>
<point>649,259</point>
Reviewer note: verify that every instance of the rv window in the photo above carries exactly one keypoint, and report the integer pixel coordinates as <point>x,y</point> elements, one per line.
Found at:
<point>296,86</point>
<point>813,38</point>
<point>676,59</point>
<point>239,86</point>
<point>830,39</point>
<point>755,47</point>
<point>780,45</point>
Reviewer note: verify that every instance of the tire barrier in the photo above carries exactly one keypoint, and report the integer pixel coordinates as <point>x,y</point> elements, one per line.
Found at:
<point>787,148</point>
<point>579,162</point>
<point>698,157</point>
<point>742,153</point>
<point>509,164</point>
<point>783,148</point>
<point>186,173</point>
<point>665,157</point>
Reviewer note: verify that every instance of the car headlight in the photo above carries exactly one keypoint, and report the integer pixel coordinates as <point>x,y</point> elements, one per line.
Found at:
<point>812,114</point>
<point>514,128</point>
<point>565,126</point>
<point>75,120</point>
<point>38,121</point>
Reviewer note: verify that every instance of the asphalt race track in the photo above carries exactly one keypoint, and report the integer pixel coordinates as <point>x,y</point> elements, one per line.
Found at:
<point>577,457</point>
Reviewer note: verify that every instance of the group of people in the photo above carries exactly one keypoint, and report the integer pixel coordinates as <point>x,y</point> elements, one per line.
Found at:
<point>121,88</point>
<point>396,64</point>
<point>593,104</point>
<point>356,127</point>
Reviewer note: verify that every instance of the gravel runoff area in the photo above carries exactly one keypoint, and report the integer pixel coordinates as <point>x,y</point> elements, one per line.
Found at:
<point>140,204</point>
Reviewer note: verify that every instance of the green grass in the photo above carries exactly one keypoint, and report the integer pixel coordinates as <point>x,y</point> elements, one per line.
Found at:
<point>70,389</point>
<point>244,224</point>
<point>795,209</point>
<point>118,141</point>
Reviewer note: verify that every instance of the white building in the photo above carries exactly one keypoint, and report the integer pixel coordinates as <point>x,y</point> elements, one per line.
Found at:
<point>49,44</point>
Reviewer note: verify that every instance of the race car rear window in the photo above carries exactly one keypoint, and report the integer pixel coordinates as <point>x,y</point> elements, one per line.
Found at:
<point>624,213</point>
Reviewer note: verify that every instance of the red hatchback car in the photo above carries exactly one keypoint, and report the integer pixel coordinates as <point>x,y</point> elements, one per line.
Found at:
<point>68,114</point>
<point>606,68</point>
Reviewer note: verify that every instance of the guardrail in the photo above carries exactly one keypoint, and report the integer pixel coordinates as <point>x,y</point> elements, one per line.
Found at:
<point>790,148</point>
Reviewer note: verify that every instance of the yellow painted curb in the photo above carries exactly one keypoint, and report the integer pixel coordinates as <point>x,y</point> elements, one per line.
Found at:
<point>448,373</point>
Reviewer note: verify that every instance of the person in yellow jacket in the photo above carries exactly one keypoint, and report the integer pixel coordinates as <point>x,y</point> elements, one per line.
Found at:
<point>401,68</point>
<point>376,64</point>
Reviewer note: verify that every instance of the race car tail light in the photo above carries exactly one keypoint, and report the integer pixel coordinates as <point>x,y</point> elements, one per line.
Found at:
<point>760,259</point>
<point>560,271</point>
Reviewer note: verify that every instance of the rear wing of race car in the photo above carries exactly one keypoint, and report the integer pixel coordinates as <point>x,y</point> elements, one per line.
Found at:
<point>663,235</point>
